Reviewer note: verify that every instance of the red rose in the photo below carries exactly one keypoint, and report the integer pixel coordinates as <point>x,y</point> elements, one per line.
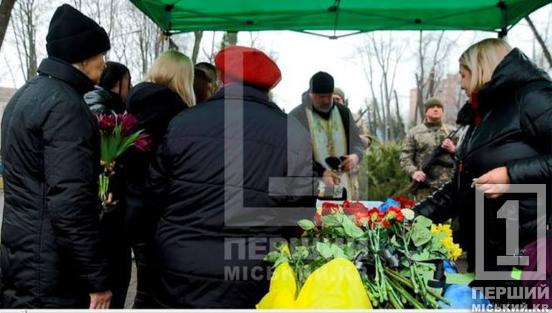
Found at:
<point>329,208</point>
<point>106,122</point>
<point>354,208</point>
<point>346,204</point>
<point>404,201</point>
<point>143,143</point>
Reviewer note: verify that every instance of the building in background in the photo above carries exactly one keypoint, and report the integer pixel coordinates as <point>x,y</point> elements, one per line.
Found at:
<point>449,92</point>
<point>5,96</point>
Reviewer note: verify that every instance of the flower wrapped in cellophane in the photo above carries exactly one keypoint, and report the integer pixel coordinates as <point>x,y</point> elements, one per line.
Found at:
<point>117,136</point>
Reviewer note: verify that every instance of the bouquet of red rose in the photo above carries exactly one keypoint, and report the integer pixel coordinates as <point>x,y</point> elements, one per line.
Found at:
<point>395,251</point>
<point>116,137</point>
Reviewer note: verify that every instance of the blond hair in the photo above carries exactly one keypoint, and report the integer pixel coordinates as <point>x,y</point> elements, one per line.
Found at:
<point>481,60</point>
<point>175,71</point>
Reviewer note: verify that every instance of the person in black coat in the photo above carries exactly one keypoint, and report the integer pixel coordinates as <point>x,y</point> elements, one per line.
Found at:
<point>317,103</point>
<point>168,90</point>
<point>203,85</point>
<point>211,181</point>
<point>51,254</point>
<point>508,141</point>
<point>111,94</point>
<point>211,72</point>
<point>109,98</point>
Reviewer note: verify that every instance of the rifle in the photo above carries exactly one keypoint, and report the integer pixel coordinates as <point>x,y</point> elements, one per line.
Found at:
<point>433,160</point>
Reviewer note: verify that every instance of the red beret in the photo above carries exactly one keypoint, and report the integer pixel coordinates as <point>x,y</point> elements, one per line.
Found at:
<point>257,68</point>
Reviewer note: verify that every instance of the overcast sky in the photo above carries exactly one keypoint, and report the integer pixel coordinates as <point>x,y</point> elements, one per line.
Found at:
<point>301,55</point>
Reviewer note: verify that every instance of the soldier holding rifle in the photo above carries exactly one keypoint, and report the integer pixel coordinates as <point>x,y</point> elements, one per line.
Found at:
<point>428,151</point>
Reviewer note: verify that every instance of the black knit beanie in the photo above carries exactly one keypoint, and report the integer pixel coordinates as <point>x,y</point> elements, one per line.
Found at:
<point>74,37</point>
<point>322,83</point>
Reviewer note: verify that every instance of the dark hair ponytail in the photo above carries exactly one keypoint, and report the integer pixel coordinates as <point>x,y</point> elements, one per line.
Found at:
<point>113,73</point>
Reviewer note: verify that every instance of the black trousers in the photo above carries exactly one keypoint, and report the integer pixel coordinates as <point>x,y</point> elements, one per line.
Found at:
<point>119,257</point>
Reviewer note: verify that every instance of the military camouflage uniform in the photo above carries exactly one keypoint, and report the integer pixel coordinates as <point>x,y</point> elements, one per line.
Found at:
<point>417,148</point>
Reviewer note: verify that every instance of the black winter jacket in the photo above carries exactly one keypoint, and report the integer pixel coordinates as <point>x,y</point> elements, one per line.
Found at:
<point>354,143</point>
<point>103,101</point>
<point>516,132</point>
<point>154,106</point>
<point>51,255</point>
<point>209,253</point>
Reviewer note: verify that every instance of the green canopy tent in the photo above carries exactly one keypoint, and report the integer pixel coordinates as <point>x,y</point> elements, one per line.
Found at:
<point>174,16</point>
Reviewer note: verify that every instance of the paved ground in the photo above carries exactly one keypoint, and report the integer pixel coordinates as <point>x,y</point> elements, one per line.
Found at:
<point>131,289</point>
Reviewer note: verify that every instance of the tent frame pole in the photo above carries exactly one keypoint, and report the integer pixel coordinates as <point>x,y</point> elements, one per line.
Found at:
<point>504,15</point>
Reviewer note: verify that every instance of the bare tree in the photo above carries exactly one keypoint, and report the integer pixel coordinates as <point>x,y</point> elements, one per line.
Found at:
<point>111,16</point>
<point>546,34</point>
<point>400,123</point>
<point>25,17</point>
<point>210,55</point>
<point>256,42</point>
<point>198,35</point>
<point>104,12</point>
<point>10,71</point>
<point>122,38</point>
<point>371,117</point>
<point>6,7</point>
<point>360,113</point>
<point>229,39</point>
<point>375,120</point>
<point>433,50</point>
<point>254,39</point>
<point>135,39</point>
<point>540,40</point>
<point>147,41</point>
<point>381,54</point>
<point>77,4</point>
